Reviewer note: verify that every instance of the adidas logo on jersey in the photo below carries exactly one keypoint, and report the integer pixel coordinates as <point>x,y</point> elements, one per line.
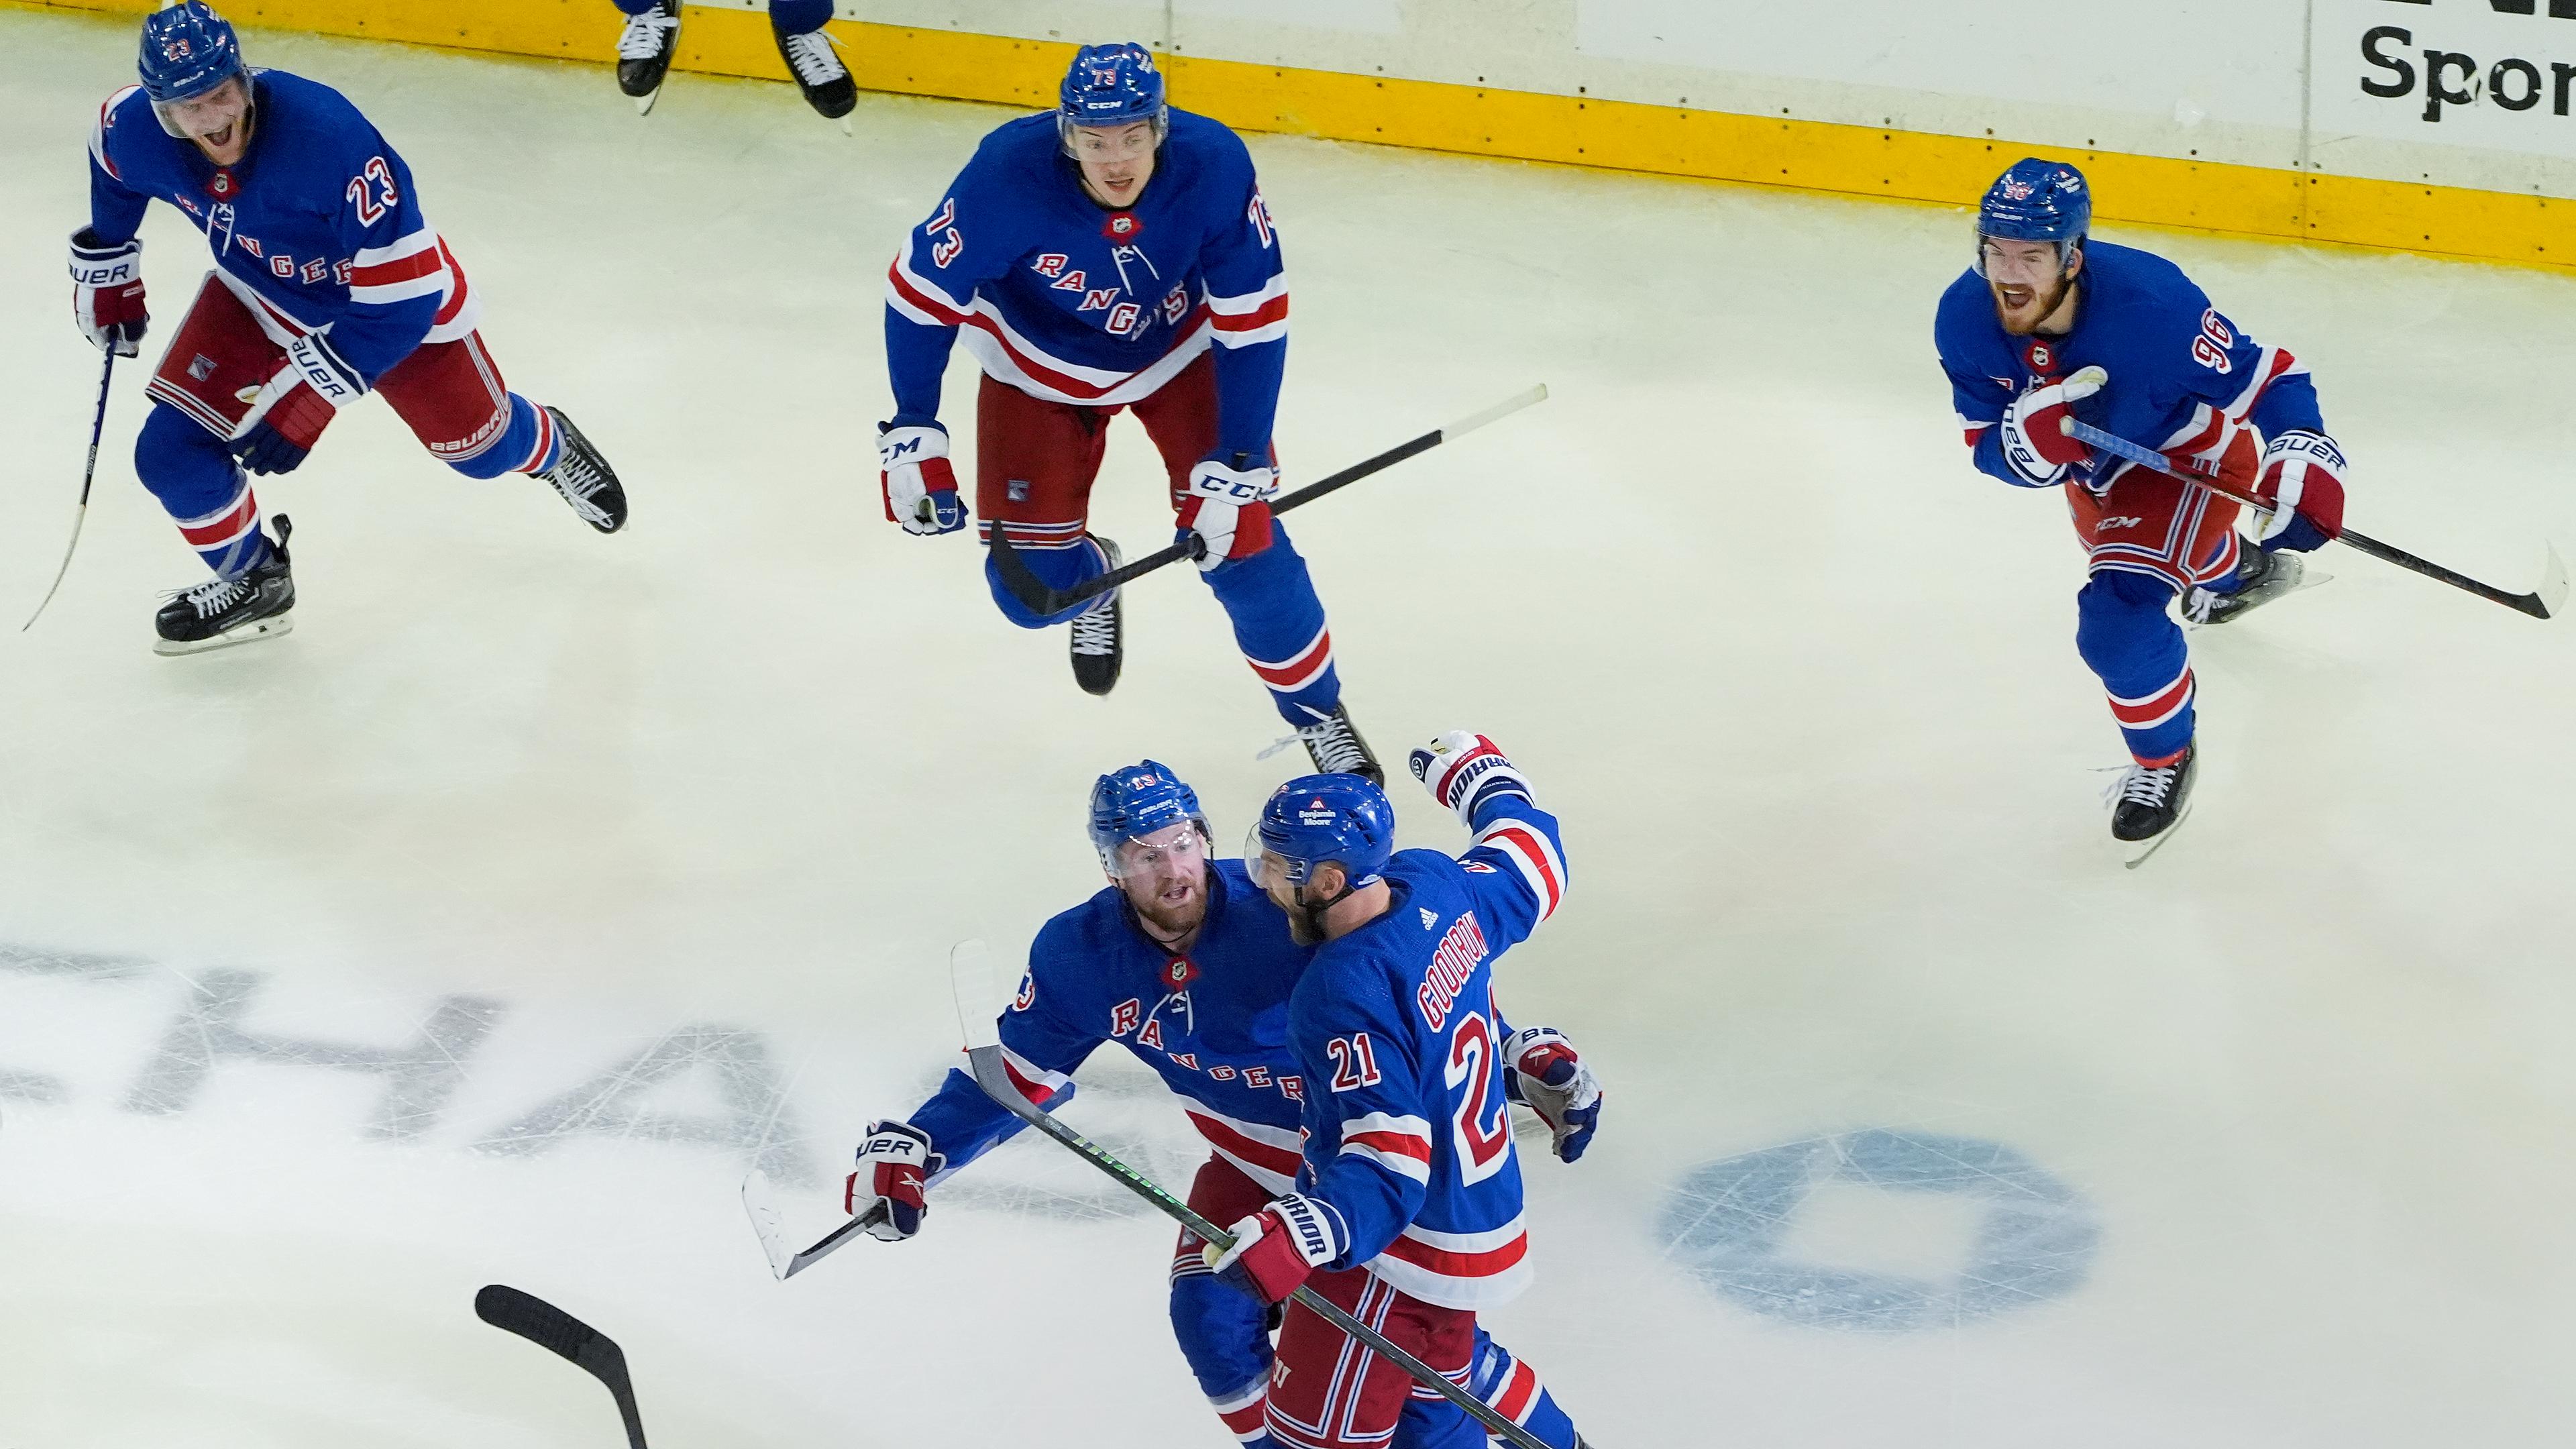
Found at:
<point>1429,919</point>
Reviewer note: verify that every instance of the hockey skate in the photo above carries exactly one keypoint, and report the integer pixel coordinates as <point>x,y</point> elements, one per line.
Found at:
<point>2263,575</point>
<point>584,479</point>
<point>1334,744</point>
<point>220,613</point>
<point>2149,803</point>
<point>1100,635</point>
<point>644,50</point>
<point>819,73</point>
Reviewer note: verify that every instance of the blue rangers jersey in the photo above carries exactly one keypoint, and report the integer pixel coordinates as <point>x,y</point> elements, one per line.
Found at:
<point>1072,302</point>
<point>1408,1127</point>
<point>2180,370</point>
<point>1212,1022</point>
<point>316,228</point>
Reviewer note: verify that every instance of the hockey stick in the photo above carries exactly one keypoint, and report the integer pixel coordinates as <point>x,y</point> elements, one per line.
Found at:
<point>549,1327</point>
<point>760,1200</point>
<point>89,470</point>
<point>972,978</point>
<point>2544,602</point>
<point>1040,598</point>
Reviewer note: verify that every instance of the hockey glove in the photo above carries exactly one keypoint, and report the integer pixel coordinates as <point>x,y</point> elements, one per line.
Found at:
<point>1552,1081</point>
<point>1227,504</point>
<point>1463,770</point>
<point>2035,447</point>
<point>893,1164</point>
<point>288,416</point>
<point>1278,1248</point>
<point>2303,481</point>
<point>920,488</point>
<point>107,292</point>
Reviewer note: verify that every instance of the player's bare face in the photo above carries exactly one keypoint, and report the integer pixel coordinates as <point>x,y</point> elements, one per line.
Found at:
<point>1116,161</point>
<point>218,121</point>
<point>2030,286</point>
<point>1165,878</point>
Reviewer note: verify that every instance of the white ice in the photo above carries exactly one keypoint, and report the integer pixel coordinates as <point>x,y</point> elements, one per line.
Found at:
<point>2264,1144</point>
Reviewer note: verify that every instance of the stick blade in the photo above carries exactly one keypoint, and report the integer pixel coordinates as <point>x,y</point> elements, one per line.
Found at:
<point>760,1203</point>
<point>970,975</point>
<point>1498,411</point>
<point>2552,592</point>
<point>1034,593</point>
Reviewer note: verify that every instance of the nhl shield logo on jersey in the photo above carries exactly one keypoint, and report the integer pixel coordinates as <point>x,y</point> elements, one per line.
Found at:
<point>1179,972</point>
<point>1122,226</point>
<point>2042,359</point>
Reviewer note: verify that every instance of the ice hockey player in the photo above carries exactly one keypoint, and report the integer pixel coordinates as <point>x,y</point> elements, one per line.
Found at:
<point>2041,304</point>
<point>652,36</point>
<point>328,285</point>
<point>1184,963</point>
<point>1407,1206</point>
<point>1091,256</point>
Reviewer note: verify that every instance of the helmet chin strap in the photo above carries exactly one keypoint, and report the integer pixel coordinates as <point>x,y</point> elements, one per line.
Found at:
<point>1312,912</point>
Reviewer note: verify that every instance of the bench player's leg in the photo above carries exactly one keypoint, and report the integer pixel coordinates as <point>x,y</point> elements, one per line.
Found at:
<point>1268,596</point>
<point>452,397</point>
<point>219,357</point>
<point>1034,464</point>
<point>1327,1392</point>
<point>1223,1331</point>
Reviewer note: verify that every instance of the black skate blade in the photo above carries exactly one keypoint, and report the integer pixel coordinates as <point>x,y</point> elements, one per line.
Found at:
<point>2137,851</point>
<point>2256,598</point>
<point>250,633</point>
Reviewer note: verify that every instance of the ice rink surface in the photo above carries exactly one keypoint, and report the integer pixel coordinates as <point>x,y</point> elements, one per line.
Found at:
<point>490,926</point>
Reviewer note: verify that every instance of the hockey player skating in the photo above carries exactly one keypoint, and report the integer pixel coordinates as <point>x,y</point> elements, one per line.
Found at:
<point>1114,253</point>
<point>1185,964</point>
<point>651,36</point>
<point>329,284</point>
<point>1407,1208</point>
<point>2041,305</point>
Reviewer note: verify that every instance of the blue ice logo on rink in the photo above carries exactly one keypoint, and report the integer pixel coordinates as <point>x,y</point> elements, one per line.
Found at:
<point>1881,1230</point>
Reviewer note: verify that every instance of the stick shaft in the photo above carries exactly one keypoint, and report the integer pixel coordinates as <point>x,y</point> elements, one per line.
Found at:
<point>89,471</point>
<point>2120,447</point>
<point>1040,597</point>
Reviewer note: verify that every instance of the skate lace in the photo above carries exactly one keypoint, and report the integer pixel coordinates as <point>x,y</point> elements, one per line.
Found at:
<point>642,37</point>
<point>2200,605</point>
<point>1097,631</point>
<point>216,595</point>
<point>2141,785</point>
<point>1335,746</point>
<point>575,478</point>
<point>812,56</point>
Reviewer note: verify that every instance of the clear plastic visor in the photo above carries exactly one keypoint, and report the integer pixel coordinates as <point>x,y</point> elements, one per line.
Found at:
<point>1108,145</point>
<point>2020,263</point>
<point>208,112</point>
<point>1173,850</point>
<point>1268,867</point>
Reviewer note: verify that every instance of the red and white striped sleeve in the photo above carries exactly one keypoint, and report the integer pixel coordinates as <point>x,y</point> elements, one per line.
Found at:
<point>1400,1144</point>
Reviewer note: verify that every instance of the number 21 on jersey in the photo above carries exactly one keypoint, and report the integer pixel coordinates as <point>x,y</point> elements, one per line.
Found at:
<point>1482,1129</point>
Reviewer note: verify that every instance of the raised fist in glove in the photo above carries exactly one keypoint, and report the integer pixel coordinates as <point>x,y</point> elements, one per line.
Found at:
<point>107,292</point>
<point>2034,441</point>
<point>1552,1081</point>
<point>1463,769</point>
<point>894,1162</point>
<point>920,487</point>
<point>1278,1248</point>
<point>1227,504</point>
<point>288,416</point>
<point>2303,481</point>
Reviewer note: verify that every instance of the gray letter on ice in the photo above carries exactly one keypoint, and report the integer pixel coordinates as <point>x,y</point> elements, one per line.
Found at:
<point>420,1075</point>
<point>755,1121</point>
